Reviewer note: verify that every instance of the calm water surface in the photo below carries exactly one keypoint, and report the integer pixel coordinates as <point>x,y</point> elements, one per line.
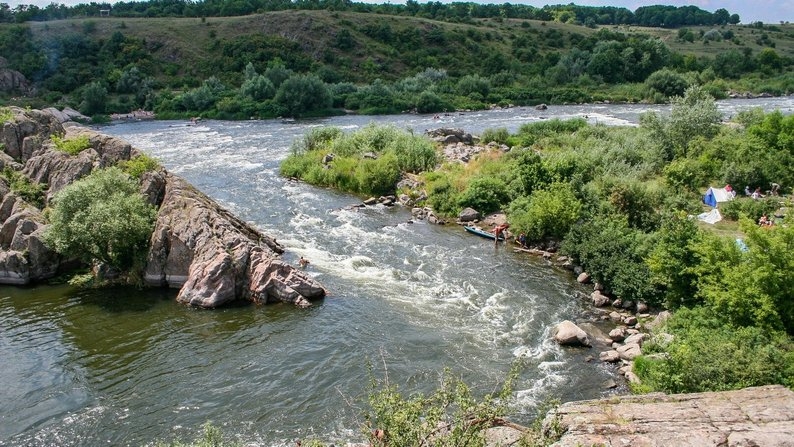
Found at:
<point>125,367</point>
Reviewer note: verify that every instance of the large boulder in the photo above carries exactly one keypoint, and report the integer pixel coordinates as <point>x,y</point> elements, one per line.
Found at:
<point>569,334</point>
<point>215,258</point>
<point>469,215</point>
<point>25,133</point>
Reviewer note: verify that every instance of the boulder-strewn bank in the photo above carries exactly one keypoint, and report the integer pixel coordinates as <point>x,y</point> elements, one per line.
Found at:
<point>197,246</point>
<point>760,416</point>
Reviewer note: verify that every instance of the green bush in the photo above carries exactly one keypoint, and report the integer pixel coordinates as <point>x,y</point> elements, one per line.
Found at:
<point>102,217</point>
<point>750,208</point>
<point>672,261</point>
<point>667,82</point>
<point>547,213</point>
<point>31,192</point>
<point>612,253</point>
<point>499,136</point>
<point>450,416</point>
<point>484,194</point>
<point>302,94</point>
<point>71,146</point>
<point>378,176</point>
<point>6,115</point>
<point>752,287</point>
<point>529,133</point>
<point>137,166</point>
<point>442,195</point>
<point>707,354</point>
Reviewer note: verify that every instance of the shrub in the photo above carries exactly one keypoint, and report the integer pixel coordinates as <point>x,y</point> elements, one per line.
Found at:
<point>30,191</point>
<point>546,213</point>
<point>529,133</point>
<point>101,217</point>
<point>137,166</point>
<point>6,115</point>
<point>301,94</point>
<point>378,176</point>
<point>706,354</point>
<point>315,139</point>
<point>442,196</point>
<point>611,251</point>
<point>484,194</point>
<point>451,415</point>
<point>499,136</point>
<point>752,287</point>
<point>71,146</point>
<point>667,82</point>
<point>750,208</point>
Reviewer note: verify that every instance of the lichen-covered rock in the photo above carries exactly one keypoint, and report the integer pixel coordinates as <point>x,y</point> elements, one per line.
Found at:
<point>760,416</point>
<point>33,125</point>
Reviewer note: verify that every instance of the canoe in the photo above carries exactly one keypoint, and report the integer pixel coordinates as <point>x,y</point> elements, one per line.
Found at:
<point>482,233</point>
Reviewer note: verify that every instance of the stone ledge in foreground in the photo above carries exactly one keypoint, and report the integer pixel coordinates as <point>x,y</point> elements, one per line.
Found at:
<point>759,416</point>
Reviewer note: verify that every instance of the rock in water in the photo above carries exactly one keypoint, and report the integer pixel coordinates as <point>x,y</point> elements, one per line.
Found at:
<point>215,257</point>
<point>569,334</point>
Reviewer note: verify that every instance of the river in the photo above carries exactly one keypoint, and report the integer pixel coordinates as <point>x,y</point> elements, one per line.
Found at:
<point>128,367</point>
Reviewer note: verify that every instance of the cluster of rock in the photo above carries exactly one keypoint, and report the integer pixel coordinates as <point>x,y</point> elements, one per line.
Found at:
<point>196,246</point>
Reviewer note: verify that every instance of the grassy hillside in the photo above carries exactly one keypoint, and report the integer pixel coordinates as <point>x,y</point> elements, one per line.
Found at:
<point>514,60</point>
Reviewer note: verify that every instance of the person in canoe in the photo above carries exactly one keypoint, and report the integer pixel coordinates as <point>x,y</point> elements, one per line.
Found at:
<point>499,231</point>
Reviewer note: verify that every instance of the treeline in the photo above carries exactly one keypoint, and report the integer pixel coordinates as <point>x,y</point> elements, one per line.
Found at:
<point>655,16</point>
<point>621,201</point>
<point>426,69</point>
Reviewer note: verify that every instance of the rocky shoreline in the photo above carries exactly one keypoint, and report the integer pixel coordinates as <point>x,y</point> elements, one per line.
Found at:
<point>211,256</point>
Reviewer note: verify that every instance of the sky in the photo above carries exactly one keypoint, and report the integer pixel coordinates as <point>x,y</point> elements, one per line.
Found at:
<point>767,11</point>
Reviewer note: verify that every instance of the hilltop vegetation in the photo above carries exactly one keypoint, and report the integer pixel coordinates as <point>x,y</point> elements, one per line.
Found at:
<point>313,61</point>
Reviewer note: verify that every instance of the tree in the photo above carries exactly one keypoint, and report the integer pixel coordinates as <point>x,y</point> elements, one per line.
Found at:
<point>303,93</point>
<point>102,217</point>
<point>667,82</point>
<point>94,98</point>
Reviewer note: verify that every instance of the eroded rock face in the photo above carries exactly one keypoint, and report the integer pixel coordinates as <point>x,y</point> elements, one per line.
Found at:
<point>197,246</point>
<point>215,258</point>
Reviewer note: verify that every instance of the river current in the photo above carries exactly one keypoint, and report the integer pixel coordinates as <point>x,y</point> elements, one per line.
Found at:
<point>127,367</point>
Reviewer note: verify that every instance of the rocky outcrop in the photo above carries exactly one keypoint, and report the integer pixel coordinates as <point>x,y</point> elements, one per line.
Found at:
<point>12,80</point>
<point>760,416</point>
<point>215,258</point>
<point>197,246</point>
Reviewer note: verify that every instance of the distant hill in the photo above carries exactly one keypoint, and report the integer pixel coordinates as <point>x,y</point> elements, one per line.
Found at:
<point>146,62</point>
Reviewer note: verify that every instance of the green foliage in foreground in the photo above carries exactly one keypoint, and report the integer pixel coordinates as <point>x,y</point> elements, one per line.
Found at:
<point>71,146</point>
<point>30,191</point>
<point>369,161</point>
<point>449,416</point>
<point>102,217</point>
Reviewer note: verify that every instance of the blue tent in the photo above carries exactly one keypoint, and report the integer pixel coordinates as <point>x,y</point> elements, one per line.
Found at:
<point>716,195</point>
